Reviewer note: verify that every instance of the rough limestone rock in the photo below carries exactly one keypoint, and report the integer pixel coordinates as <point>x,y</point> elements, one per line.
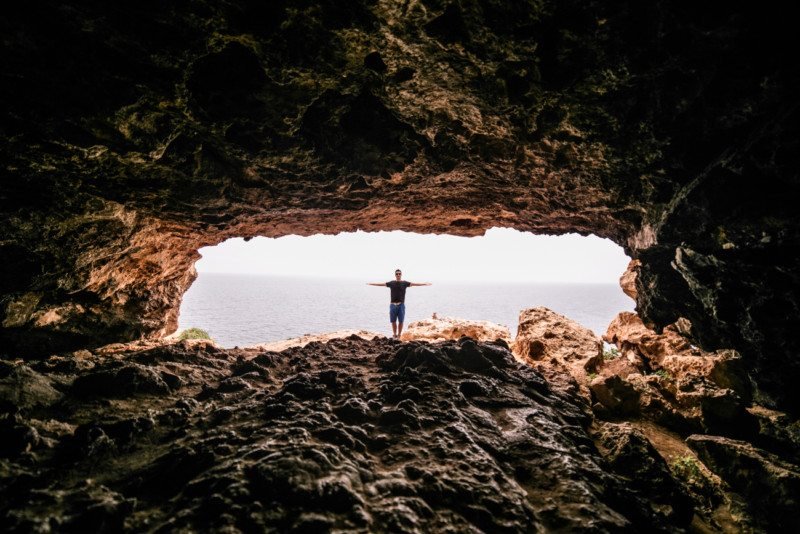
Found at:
<point>628,279</point>
<point>450,328</point>
<point>133,135</point>
<point>678,385</point>
<point>665,379</point>
<point>672,353</point>
<point>771,486</point>
<point>724,368</point>
<point>302,341</point>
<point>684,406</point>
<point>629,334</point>
<point>557,345</point>
<point>347,435</point>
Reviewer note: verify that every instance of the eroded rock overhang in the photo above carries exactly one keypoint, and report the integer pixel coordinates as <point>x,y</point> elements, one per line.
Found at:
<point>133,135</point>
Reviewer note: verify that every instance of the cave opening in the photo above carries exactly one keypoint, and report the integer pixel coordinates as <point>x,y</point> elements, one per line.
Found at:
<point>134,136</point>
<point>270,289</point>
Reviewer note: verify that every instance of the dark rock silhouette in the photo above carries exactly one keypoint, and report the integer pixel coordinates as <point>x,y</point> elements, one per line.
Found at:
<point>132,136</point>
<point>353,434</point>
<point>772,487</point>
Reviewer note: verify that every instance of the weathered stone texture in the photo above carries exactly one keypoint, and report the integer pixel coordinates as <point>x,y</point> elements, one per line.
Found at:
<point>451,328</point>
<point>135,133</point>
<point>349,435</point>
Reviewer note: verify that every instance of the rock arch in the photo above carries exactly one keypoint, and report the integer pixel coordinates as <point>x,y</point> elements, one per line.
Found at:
<point>133,135</point>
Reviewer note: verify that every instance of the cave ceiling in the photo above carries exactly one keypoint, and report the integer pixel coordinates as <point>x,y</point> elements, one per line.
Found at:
<point>134,133</point>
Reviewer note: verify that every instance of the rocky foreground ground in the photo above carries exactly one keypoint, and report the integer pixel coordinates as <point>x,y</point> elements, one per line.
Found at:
<point>358,435</point>
<point>354,434</point>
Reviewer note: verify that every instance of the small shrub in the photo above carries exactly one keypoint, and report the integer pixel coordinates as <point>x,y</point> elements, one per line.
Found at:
<point>663,374</point>
<point>591,376</point>
<point>610,354</point>
<point>687,468</point>
<point>194,333</point>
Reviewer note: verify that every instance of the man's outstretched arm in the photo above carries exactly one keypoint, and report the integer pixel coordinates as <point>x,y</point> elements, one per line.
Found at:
<point>383,284</point>
<point>420,283</point>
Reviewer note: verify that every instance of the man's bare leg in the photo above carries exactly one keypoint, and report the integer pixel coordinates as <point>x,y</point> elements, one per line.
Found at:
<point>394,329</point>
<point>399,329</point>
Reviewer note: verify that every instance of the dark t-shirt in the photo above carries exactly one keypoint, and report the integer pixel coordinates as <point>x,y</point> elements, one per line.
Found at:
<point>398,290</point>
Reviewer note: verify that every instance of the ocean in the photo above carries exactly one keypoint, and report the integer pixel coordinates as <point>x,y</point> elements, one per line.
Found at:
<point>241,310</point>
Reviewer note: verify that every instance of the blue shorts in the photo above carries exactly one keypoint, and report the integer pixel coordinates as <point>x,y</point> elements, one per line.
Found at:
<point>397,312</point>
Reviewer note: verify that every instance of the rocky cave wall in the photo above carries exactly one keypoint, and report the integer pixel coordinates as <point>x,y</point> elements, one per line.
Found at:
<point>135,133</point>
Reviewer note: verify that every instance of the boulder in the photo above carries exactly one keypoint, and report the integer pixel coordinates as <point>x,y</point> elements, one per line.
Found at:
<point>630,334</point>
<point>451,328</point>
<point>22,388</point>
<point>555,344</point>
<point>685,406</point>
<point>672,354</point>
<point>628,279</point>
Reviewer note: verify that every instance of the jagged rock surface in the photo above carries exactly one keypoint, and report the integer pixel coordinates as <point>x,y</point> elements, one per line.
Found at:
<point>630,454</point>
<point>677,385</point>
<point>628,332</point>
<point>772,487</point>
<point>628,279</point>
<point>302,341</point>
<point>451,328</point>
<point>754,450</point>
<point>352,434</point>
<point>133,134</point>
<point>557,346</point>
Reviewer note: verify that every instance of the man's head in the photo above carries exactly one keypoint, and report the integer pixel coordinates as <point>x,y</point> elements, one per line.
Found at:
<point>398,274</point>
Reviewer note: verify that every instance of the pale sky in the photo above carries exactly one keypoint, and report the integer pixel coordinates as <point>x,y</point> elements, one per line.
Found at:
<point>502,255</point>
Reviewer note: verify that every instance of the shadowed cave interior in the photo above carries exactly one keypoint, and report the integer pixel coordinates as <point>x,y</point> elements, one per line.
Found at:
<point>134,134</point>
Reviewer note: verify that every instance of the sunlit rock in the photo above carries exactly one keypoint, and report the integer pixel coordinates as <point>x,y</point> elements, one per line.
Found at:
<point>304,340</point>
<point>630,335</point>
<point>628,279</point>
<point>671,354</point>
<point>557,346</point>
<point>450,328</point>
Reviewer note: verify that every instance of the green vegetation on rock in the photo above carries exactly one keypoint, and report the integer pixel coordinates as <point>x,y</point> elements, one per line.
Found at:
<point>687,468</point>
<point>194,333</point>
<point>610,353</point>
<point>663,374</point>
